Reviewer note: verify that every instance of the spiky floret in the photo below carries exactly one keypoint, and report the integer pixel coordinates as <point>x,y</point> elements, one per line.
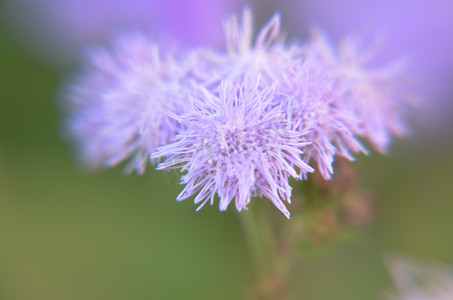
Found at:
<point>310,99</point>
<point>236,145</point>
<point>119,107</point>
<point>374,95</point>
<point>249,56</point>
<point>303,88</point>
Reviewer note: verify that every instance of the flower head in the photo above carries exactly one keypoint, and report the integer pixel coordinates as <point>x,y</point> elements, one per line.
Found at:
<point>237,145</point>
<point>372,94</point>
<point>303,88</point>
<point>311,100</point>
<point>263,56</point>
<point>119,108</point>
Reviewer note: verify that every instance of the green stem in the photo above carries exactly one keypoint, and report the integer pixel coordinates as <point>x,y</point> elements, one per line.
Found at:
<point>253,239</point>
<point>272,257</point>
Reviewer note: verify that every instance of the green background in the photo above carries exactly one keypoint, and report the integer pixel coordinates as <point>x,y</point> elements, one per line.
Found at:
<point>66,234</point>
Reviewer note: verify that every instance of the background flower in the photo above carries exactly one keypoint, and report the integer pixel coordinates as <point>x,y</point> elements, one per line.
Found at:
<point>375,96</point>
<point>311,101</point>
<point>420,30</point>
<point>120,106</point>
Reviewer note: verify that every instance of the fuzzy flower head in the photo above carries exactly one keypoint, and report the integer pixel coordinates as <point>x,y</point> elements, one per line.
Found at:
<point>304,89</point>
<point>373,94</point>
<point>263,55</point>
<point>119,108</point>
<point>310,99</point>
<point>236,146</point>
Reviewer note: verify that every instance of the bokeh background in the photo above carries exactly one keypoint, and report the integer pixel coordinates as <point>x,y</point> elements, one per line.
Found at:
<point>66,234</point>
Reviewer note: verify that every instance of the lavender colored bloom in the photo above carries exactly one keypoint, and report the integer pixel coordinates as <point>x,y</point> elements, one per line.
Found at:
<point>238,146</point>
<point>306,89</point>
<point>119,108</point>
<point>239,123</point>
<point>266,56</point>
<point>312,100</point>
<point>421,29</point>
<point>373,95</point>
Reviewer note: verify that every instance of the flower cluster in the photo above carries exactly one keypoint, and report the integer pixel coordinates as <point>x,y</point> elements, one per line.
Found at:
<point>238,123</point>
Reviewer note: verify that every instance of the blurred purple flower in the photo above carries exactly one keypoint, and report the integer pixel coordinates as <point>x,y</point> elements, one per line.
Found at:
<point>420,29</point>
<point>373,95</point>
<point>311,99</point>
<point>237,145</point>
<point>265,55</point>
<point>120,106</point>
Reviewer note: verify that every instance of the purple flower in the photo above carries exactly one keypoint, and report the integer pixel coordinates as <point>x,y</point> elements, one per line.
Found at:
<point>237,145</point>
<point>373,95</point>
<point>267,56</point>
<point>311,100</point>
<point>239,123</point>
<point>120,107</point>
<point>303,86</point>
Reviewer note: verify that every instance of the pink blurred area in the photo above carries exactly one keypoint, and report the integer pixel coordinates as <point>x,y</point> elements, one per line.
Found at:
<point>56,30</point>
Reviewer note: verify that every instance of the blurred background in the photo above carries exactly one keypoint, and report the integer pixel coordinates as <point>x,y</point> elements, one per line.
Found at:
<point>66,234</point>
